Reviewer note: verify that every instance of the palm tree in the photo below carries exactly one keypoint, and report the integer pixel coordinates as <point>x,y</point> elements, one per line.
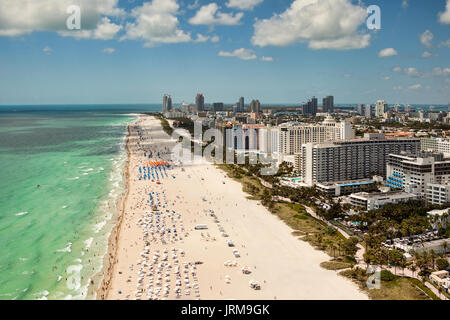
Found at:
<point>433,257</point>
<point>413,269</point>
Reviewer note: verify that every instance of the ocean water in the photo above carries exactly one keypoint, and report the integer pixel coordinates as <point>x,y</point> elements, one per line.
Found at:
<point>53,237</point>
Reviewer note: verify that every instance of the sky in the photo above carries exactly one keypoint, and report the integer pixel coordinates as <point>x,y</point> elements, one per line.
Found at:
<point>277,51</point>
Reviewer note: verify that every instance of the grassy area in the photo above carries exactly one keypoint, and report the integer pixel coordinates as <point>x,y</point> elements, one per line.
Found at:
<point>335,265</point>
<point>437,288</point>
<point>392,287</point>
<point>165,125</point>
<point>424,288</point>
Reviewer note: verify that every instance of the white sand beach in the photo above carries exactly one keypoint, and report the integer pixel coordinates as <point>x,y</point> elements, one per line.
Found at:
<point>148,266</point>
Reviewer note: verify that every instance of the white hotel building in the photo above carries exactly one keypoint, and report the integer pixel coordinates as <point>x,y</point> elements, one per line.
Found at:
<point>269,140</point>
<point>351,160</point>
<point>427,175</point>
<point>436,145</point>
<point>288,138</point>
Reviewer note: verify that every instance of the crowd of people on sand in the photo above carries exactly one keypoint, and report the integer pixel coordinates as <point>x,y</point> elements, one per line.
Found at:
<point>161,273</point>
<point>161,270</point>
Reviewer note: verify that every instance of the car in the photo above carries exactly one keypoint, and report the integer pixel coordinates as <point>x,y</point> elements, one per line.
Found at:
<point>230,243</point>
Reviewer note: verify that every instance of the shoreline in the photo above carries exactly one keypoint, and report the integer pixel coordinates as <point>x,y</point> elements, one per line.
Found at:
<point>105,276</point>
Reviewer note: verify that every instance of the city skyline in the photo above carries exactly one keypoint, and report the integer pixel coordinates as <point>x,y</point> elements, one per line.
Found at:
<point>224,49</point>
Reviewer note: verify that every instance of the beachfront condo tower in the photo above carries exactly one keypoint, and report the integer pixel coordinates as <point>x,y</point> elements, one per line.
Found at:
<point>167,103</point>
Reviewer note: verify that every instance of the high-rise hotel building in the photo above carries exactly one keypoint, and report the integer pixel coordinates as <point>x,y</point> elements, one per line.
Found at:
<point>424,174</point>
<point>293,136</point>
<point>441,145</point>
<point>269,140</point>
<point>167,103</point>
<point>380,108</point>
<point>349,160</point>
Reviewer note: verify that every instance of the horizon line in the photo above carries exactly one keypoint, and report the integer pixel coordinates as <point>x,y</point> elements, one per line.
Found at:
<point>287,104</point>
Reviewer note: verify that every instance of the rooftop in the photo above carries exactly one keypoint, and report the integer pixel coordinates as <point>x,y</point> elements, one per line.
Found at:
<point>438,212</point>
<point>381,195</point>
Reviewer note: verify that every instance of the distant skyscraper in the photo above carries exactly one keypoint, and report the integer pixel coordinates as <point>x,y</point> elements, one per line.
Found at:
<point>310,108</point>
<point>328,104</point>
<point>200,102</point>
<point>167,103</point>
<point>368,111</point>
<point>255,106</point>
<point>360,109</point>
<point>314,105</point>
<point>241,105</point>
<point>217,106</point>
<point>380,108</point>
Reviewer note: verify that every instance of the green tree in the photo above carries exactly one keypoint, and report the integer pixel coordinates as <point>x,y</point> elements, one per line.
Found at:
<point>442,264</point>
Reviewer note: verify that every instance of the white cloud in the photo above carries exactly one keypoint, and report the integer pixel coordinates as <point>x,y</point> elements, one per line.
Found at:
<point>267,59</point>
<point>386,78</point>
<point>19,17</point>
<point>201,38</point>
<point>412,72</point>
<point>324,24</point>
<point>194,5</point>
<point>156,22</point>
<point>426,38</point>
<point>210,15</point>
<point>445,44</point>
<point>426,55</point>
<point>397,88</point>
<point>437,72</point>
<point>405,4</point>
<point>106,30</point>
<point>388,52</point>
<point>243,4</point>
<point>242,53</point>
<point>444,17</point>
<point>47,50</point>
<point>109,50</point>
<point>397,69</point>
<point>415,87</point>
<point>347,75</point>
<point>344,43</point>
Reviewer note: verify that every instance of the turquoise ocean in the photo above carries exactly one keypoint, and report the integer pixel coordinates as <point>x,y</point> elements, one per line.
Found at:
<point>61,174</point>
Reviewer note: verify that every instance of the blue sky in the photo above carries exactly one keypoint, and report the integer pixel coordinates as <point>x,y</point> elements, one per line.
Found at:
<point>279,51</point>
